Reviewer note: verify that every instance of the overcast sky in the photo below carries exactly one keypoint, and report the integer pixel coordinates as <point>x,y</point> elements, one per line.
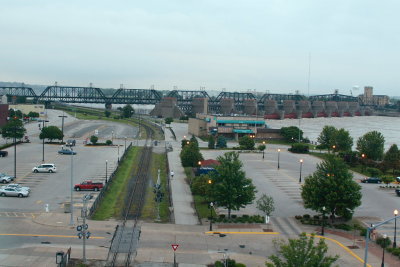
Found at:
<point>238,45</point>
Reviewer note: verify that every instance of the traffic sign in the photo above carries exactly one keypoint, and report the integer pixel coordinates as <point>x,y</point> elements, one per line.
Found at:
<point>174,246</point>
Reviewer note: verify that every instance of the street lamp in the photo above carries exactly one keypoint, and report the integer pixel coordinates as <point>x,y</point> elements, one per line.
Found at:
<point>106,170</point>
<point>264,148</point>
<point>301,165</point>
<point>395,226</point>
<point>125,143</point>
<point>43,137</point>
<point>323,220</point>
<point>362,163</point>
<point>279,152</point>
<point>112,137</point>
<point>199,163</point>
<point>383,250</point>
<point>71,222</point>
<point>211,217</point>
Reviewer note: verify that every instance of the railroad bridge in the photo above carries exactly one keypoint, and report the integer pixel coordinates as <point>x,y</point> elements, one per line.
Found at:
<point>176,103</point>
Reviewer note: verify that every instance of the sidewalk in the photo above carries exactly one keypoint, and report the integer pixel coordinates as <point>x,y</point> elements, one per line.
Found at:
<point>182,198</point>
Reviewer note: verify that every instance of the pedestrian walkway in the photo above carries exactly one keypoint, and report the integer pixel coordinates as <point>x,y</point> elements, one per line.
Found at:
<point>182,198</point>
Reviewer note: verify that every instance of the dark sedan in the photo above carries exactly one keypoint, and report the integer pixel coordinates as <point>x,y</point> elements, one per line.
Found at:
<point>371,180</point>
<point>66,152</point>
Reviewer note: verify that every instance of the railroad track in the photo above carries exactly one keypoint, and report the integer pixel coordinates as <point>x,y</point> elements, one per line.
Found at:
<point>126,236</point>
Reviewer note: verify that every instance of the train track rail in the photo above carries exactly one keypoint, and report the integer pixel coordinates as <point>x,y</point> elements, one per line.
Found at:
<point>127,233</point>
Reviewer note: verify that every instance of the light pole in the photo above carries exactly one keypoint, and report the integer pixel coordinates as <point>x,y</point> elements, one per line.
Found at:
<point>112,137</point>
<point>323,220</point>
<point>301,165</point>
<point>118,152</point>
<point>62,127</point>
<point>106,170</point>
<point>211,217</point>
<point>71,222</point>
<point>264,148</point>
<point>125,143</point>
<point>43,138</point>
<point>279,152</point>
<point>383,250</point>
<point>395,226</point>
<point>362,163</point>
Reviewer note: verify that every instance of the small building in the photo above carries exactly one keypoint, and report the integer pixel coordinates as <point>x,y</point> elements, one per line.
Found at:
<point>232,127</point>
<point>26,108</point>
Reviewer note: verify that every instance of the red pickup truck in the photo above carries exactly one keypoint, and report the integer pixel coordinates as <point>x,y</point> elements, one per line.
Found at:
<point>88,185</point>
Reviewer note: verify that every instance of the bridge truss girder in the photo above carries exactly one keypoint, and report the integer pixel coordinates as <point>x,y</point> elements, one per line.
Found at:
<point>17,91</point>
<point>136,96</point>
<point>73,94</point>
<point>333,97</point>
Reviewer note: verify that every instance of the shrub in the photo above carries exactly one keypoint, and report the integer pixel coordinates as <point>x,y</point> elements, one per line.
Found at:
<point>316,217</point>
<point>299,148</point>
<point>233,216</point>
<point>374,171</point>
<point>383,242</point>
<point>108,142</point>
<point>343,226</point>
<point>363,232</point>
<point>222,216</point>
<point>306,216</point>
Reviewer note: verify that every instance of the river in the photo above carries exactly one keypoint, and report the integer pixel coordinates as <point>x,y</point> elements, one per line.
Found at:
<point>357,126</point>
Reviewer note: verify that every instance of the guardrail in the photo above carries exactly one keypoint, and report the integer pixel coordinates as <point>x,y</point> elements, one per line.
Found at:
<point>110,179</point>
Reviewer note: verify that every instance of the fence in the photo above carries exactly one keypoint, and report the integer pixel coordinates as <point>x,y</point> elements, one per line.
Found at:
<point>110,179</point>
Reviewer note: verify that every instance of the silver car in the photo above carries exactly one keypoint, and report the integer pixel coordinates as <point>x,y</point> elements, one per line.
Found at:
<point>17,186</point>
<point>5,178</point>
<point>47,167</point>
<point>13,192</point>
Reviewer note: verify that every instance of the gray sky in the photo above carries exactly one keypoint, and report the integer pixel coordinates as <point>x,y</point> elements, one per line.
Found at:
<point>235,44</point>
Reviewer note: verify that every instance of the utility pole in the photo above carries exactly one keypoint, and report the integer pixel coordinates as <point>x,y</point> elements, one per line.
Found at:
<point>43,138</point>
<point>62,126</point>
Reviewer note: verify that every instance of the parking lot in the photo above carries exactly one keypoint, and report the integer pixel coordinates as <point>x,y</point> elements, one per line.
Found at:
<point>52,190</point>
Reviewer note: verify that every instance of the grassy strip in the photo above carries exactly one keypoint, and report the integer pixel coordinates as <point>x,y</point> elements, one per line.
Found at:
<point>201,203</point>
<point>149,212</point>
<point>113,201</point>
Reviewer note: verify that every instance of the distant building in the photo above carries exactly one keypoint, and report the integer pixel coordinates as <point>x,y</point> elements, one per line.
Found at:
<point>369,99</point>
<point>232,127</point>
<point>3,114</point>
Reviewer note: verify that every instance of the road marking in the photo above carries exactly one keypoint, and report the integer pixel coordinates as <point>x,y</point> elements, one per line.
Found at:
<point>64,236</point>
<point>244,233</point>
<point>343,246</point>
<point>39,202</point>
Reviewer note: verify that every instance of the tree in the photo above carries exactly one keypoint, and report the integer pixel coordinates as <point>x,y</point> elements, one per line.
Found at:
<point>193,139</point>
<point>291,134</point>
<point>245,142</point>
<point>168,120</point>
<point>13,128</point>
<point>392,158</point>
<point>221,141</point>
<point>387,180</point>
<point>14,113</point>
<point>33,114</point>
<point>94,139</point>
<point>261,147</point>
<point>184,142</point>
<point>51,132</point>
<point>343,141</point>
<point>230,187</point>
<point>332,186</point>
<point>190,155</point>
<point>327,137</point>
<point>127,111</point>
<point>107,113</point>
<point>372,145</point>
<point>266,204</point>
<point>302,252</point>
<point>211,142</point>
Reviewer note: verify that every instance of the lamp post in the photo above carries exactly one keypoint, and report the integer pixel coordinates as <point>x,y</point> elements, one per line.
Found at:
<point>112,137</point>
<point>362,163</point>
<point>301,165</point>
<point>71,222</point>
<point>118,152</point>
<point>395,227</point>
<point>323,220</point>
<point>383,250</point>
<point>279,152</point>
<point>43,138</point>
<point>264,148</point>
<point>62,127</point>
<point>125,143</point>
<point>211,217</point>
<point>106,170</point>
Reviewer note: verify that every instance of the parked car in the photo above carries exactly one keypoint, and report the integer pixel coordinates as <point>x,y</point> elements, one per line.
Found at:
<point>46,167</point>
<point>397,192</point>
<point>66,152</point>
<point>398,179</point>
<point>4,178</point>
<point>17,186</point>
<point>3,153</point>
<point>371,180</point>
<point>70,142</point>
<point>88,185</point>
<point>13,192</point>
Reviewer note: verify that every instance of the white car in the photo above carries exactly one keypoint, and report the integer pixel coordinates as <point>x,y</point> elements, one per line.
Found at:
<point>13,192</point>
<point>4,178</point>
<point>46,167</point>
<point>17,186</point>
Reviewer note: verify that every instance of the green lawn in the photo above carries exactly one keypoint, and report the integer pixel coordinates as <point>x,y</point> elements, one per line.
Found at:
<point>149,212</point>
<point>112,203</point>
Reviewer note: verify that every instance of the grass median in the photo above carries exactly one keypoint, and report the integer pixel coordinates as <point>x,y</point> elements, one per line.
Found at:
<point>113,201</point>
<point>149,212</point>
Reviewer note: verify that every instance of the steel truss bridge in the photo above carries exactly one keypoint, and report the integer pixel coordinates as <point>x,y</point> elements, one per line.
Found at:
<point>69,94</point>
